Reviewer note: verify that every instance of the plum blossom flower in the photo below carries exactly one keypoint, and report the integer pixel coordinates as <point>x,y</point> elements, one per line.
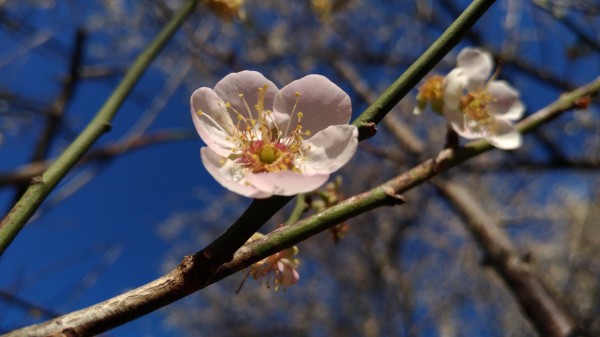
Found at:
<point>262,141</point>
<point>479,107</point>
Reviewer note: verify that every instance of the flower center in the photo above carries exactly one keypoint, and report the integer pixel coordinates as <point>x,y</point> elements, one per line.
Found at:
<point>474,105</point>
<point>261,146</point>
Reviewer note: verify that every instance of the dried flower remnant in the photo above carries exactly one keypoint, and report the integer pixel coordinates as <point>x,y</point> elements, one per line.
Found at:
<point>325,198</point>
<point>477,106</point>
<point>278,270</point>
<point>227,9</point>
<point>262,141</point>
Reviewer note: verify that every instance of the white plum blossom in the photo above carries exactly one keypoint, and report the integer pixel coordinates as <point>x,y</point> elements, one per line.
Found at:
<point>262,141</point>
<point>479,107</point>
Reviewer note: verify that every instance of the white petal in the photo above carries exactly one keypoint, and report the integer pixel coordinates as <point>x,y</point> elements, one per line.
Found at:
<point>454,86</point>
<point>468,130</point>
<point>330,149</point>
<point>286,182</point>
<point>506,103</point>
<point>506,137</point>
<point>476,64</point>
<point>215,127</point>
<point>229,175</point>
<point>321,102</point>
<point>246,83</point>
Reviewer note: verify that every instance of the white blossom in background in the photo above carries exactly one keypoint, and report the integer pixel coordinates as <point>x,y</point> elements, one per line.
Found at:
<point>262,141</point>
<point>479,107</point>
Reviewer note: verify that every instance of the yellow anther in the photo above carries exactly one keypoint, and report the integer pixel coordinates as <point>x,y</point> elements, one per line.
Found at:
<point>432,88</point>
<point>475,105</point>
<point>297,93</point>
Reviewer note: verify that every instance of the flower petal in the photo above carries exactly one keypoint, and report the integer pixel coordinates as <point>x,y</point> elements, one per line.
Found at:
<point>454,86</point>
<point>286,182</point>
<point>216,125</point>
<point>287,275</point>
<point>229,175</point>
<point>321,102</point>
<point>506,103</point>
<point>506,136</point>
<point>468,130</point>
<point>247,84</point>
<point>330,149</point>
<point>476,64</point>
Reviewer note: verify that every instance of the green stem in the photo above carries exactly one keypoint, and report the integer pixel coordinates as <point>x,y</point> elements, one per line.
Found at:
<point>299,208</point>
<point>411,77</point>
<point>42,185</point>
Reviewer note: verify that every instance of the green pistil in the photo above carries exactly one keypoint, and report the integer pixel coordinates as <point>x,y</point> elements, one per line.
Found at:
<point>268,154</point>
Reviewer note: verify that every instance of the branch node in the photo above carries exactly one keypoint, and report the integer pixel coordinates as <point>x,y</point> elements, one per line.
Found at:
<point>37,180</point>
<point>367,130</point>
<point>106,127</point>
<point>393,197</point>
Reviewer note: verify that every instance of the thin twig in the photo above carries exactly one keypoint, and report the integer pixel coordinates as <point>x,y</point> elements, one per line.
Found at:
<point>25,173</point>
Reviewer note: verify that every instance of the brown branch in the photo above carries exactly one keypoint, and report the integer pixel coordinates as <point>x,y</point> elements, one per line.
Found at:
<point>27,305</point>
<point>543,309</point>
<point>24,174</point>
<point>55,112</point>
<point>58,107</point>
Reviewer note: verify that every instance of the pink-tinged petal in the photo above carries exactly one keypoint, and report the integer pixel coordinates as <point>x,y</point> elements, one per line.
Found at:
<point>287,275</point>
<point>246,83</point>
<point>476,64</point>
<point>506,103</point>
<point>321,102</point>
<point>506,136</point>
<point>229,175</point>
<point>215,126</point>
<point>330,149</point>
<point>286,182</point>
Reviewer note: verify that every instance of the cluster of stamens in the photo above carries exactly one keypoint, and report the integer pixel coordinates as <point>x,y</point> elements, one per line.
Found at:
<point>432,92</point>
<point>474,105</point>
<point>260,146</point>
<point>432,88</point>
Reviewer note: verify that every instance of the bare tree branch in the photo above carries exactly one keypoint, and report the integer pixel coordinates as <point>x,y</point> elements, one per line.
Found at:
<point>544,309</point>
